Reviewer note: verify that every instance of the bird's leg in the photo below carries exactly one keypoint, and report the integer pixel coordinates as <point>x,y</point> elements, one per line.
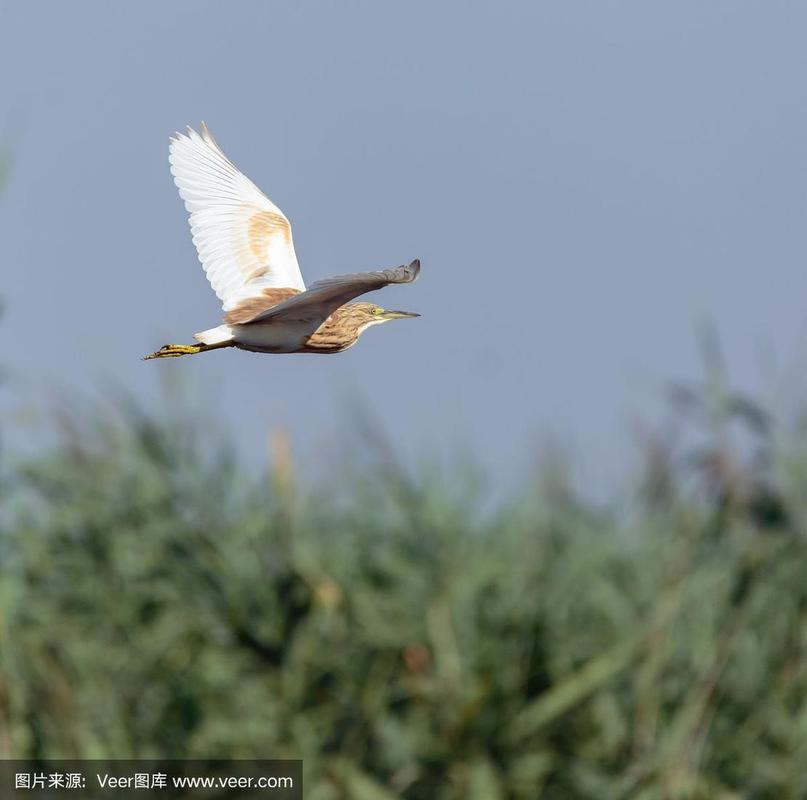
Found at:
<point>174,350</point>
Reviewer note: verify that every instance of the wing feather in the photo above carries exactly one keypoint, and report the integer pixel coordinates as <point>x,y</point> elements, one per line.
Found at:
<point>322,298</point>
<point>243,239</point>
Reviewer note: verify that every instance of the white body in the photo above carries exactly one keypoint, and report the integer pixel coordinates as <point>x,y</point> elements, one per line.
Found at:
<point>277,336</point>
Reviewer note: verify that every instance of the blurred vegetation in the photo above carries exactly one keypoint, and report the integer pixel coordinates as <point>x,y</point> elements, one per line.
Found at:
<point>158,599</point>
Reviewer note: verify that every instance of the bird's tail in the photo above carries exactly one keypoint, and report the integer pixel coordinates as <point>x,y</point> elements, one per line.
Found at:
<point>219,335</point>
<point>175,350</point>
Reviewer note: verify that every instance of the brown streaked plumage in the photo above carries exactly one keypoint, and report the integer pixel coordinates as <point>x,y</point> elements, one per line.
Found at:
<point>341,330</point>
<point>244,242</point>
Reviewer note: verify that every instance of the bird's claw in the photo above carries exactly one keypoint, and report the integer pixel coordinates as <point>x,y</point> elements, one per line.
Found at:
<point>174,350</point>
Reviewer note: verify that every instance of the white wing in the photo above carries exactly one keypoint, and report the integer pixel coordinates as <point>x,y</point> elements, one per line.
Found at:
<point>318,302</point>
<point>243,239</point>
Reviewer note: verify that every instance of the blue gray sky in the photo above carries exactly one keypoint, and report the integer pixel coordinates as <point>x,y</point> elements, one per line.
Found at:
<point>582,181</point>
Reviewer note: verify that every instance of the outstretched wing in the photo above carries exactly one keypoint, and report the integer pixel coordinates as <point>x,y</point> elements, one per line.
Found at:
<point>243,239</point>
<point>317,303</point>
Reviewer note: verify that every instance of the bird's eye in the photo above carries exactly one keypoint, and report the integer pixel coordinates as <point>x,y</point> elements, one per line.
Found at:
<point>377,310</point>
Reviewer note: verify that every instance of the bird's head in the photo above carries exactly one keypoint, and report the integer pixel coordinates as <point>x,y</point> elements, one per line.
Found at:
<point>367,314</point>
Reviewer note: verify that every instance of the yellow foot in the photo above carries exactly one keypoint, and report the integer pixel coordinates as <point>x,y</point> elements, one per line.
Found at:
<point>174,350</point>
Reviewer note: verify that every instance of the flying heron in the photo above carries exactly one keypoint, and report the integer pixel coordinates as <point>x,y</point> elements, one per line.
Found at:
<point>245,246</point>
